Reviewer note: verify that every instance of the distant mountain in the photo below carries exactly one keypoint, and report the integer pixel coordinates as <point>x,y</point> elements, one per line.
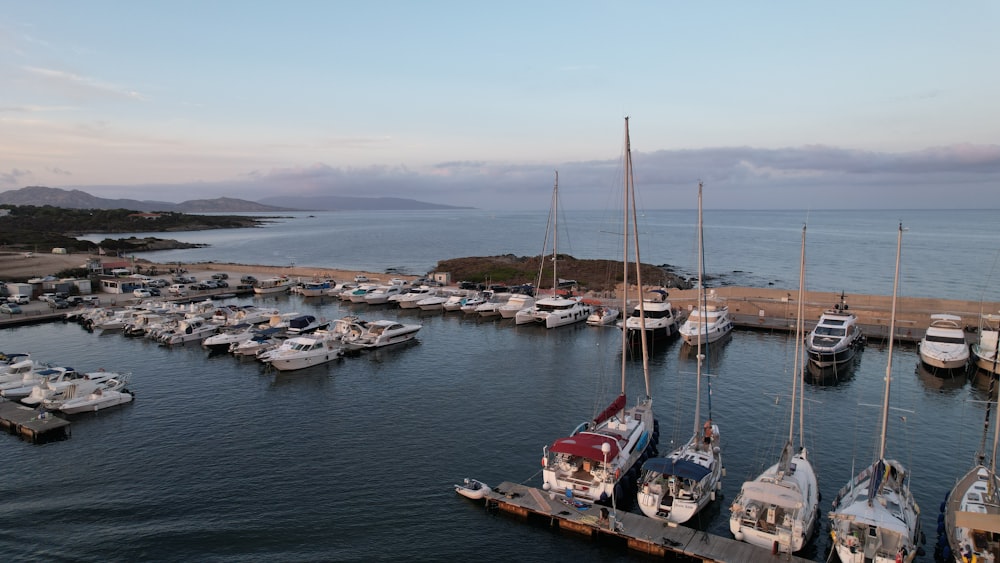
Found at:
<point>76,199</point>
<point>342,203</point>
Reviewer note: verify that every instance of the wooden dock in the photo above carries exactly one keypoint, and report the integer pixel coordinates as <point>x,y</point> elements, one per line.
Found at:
<point>31,425</point>
<point>637,532</point>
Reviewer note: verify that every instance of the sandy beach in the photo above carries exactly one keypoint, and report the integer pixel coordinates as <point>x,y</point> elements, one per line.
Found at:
<point>16,265</point>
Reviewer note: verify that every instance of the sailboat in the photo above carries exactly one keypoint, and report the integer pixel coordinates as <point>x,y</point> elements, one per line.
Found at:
<point>972,511</point>
<point>875,517</point>
<point>554,311</point>
<point>779,509</point>
<point>674,488</point>
<point>599,460</point>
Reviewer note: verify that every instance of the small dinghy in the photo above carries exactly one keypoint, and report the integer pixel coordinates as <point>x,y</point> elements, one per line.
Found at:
<point>472,489</point>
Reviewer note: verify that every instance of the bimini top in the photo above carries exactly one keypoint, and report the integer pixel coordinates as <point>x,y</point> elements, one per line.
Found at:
<point>682,468</point>
<point>586,445</point>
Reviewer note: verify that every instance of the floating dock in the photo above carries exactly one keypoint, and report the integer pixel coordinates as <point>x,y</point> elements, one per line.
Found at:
<point>30,424</point>
<point>637,532</point>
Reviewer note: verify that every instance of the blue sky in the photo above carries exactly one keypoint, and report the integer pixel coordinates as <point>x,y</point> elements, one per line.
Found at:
<point>772,104</point>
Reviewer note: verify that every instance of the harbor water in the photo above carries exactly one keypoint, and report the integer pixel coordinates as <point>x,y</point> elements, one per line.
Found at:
<point>222,460</point>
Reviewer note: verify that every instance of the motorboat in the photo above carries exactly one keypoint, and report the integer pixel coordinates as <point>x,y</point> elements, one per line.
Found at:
<point>376,334</point>
<point>599,460</point>
<point>836,337</point>
<point>875,517</point>
<point>316,288</point>
<point>193,329</point>
<point>15,390</point>
<point>304,324</point>
<point>472,302</point>
<point>603,316</point>
<point>984,350</point>
<point>381,294</point>
<point>435,301</point>
<point>943,345</point>
<point>515,303</point>
<point>473,489</point>
<point>360,294</point>
<point>263,339</point>
<point>657,317</point>
<point>412,298</point>
<point>676,487</point>
<point>710,318</point>
<point>779,509</point>
<point>272,285</point>
<point>492,306</point>
<point>225,339</point>
<point>100,398</point>
<point>301,352</point>
<point>455,301</point>
<point>54,390</point>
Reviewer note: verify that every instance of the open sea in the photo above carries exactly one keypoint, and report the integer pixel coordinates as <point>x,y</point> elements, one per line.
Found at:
<point>222,460</point>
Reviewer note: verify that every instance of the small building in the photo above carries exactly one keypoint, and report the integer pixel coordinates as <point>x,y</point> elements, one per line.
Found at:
<point>83,286</point>
<point>443,278</point>
<point>110,284</point>
<point>20,289</point>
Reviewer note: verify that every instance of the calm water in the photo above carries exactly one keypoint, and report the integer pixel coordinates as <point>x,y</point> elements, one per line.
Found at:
<point>219,460</point>
<point>947,254</point>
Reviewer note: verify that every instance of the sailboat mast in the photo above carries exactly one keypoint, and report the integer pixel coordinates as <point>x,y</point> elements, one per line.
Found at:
<point>701,319</point>
<point>892,334</point>
<point>796,366</point>
<point>630,209</point>
<point>555,233</point>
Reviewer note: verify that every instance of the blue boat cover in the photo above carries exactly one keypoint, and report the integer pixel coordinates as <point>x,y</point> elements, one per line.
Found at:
<point>681,468</point>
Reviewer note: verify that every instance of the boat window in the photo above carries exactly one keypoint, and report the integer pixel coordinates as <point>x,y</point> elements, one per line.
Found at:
<point>946,339</point>
<point>830,331</point>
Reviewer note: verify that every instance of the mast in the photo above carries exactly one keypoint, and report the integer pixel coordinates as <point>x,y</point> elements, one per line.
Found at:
<point>892,334</point>
<point>701,321</point>
<point>555,233</point>
<point>798,340</point>
<point>631,224</point>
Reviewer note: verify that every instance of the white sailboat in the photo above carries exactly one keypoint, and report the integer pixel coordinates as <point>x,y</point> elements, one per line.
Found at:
<point>875,517</point>
<point>674,488</point>
<point>779,509</point>
<point>972,511</point>
<point>556,310</point>
<point>599,461</point>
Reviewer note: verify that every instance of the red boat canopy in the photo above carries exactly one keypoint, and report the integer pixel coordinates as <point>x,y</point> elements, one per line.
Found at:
<point>586,445</point>
<point>613,408</point>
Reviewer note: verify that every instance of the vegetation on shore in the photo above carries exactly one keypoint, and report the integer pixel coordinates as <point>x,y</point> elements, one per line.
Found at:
<point>593,275</point>
<point>29,227</point>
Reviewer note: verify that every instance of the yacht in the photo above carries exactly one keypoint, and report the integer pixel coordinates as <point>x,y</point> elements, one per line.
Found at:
<point>515,303</point>
<point>659,319</point>
<point>836,337</point>
<point>376,334</point>
<point>711,319</point>
<point>943,345</point>
<point>301,352</point>
<point>985,348</point>
<point>555,311</point>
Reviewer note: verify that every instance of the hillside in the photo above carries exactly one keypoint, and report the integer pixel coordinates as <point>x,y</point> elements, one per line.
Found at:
<point>76,199</point>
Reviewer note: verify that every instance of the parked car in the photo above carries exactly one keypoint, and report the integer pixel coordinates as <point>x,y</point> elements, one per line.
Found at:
<point>220,276</point>
<point>159,283</point>
<point>221,284</point>
<point>209,284</point>
<point>19,299</point>
<point>10,309</point>
<point>154,292</point>
<point>92,299</point>
<point>141,293</point>
<point>59,304</point>
<point>177,289</point>
<point>47,297</point>
<point>248,280</point>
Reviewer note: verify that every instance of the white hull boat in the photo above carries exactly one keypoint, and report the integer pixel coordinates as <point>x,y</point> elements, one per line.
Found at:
<point>515,303</point>
<point>377,334</point>
<point>836,338</point>
<point>943,345</point>
<point>95,401</point>
<point>473,489</point>
<point>306,351</point>
<point>985,349</point>
<point>658,318</point>
<point>554,312</point>
<point>272,285</point>
<point>711,319</point>
<point>603,316</point>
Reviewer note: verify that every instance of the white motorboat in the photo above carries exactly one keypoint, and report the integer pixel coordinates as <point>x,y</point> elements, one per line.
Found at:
<point>272,285</point>
<point>381,294</point>
<point>472,302</point>
<point>224,340</point>
<point>376,334</point>
<point>779,509</point>
<point>8,360</point>
<point>943,345</point>
<point>264,339</point>
<point>316,288</point>
<point>710,318</point>
<point>54,390</point>
<point>301,352</point>
<point>603,316</point>
<point>658,318</point>
<point>455,301</point>
<point>599,460</point>
<point>836,337</point>
<point>15,390</point>
<point>491,308</point>
<point>17,368</point>
<point>360,294</point>
<point>473,489</point>
<point>412,298</point>
<point>676,487</point>
<point>96,400</point>
<point>436,301</point>
<point>193,329</point>
<point>515,303</point>
<point>875,517</point>
<point>985,349</point>
<point>304,324</point>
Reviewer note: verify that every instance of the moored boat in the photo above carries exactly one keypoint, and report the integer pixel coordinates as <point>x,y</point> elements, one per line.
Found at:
<point>836,337</point>
<point>985,348</point>
<point>473,489</point>
<point>943,345</point>
<point>376,334</point>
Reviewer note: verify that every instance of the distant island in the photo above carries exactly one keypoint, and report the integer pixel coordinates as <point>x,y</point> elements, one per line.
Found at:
<point>77,199</point>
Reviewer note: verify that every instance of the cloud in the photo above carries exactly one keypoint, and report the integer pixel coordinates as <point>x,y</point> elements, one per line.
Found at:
<point>75,85</point>
<point>14,177</point>
<point>807,177</point>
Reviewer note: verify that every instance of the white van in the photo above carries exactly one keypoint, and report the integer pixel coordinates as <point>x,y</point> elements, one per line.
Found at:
<point>177,289</point>
<point>19,299</point>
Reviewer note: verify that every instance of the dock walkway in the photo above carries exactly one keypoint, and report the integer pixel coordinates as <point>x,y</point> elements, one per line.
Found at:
<point>638,532</point>
<point>25,422</point>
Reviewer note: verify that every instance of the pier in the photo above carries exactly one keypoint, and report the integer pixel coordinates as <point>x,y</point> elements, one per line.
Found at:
<point>638,532</point>
<point>30,424</point>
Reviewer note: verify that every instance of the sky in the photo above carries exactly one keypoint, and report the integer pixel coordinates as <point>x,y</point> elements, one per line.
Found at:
<point>773,105</point>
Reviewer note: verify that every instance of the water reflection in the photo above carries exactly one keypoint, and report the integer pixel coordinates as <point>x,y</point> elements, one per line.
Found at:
<point>942,380</point>
<point>832,375</point>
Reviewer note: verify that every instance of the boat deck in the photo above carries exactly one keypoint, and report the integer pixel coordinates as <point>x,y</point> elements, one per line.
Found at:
<point>637,532</point>
<point>24,421</point>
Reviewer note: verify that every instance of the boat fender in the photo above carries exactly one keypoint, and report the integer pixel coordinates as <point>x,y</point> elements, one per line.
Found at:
<point>543,462</point>
<point>618,473</point>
